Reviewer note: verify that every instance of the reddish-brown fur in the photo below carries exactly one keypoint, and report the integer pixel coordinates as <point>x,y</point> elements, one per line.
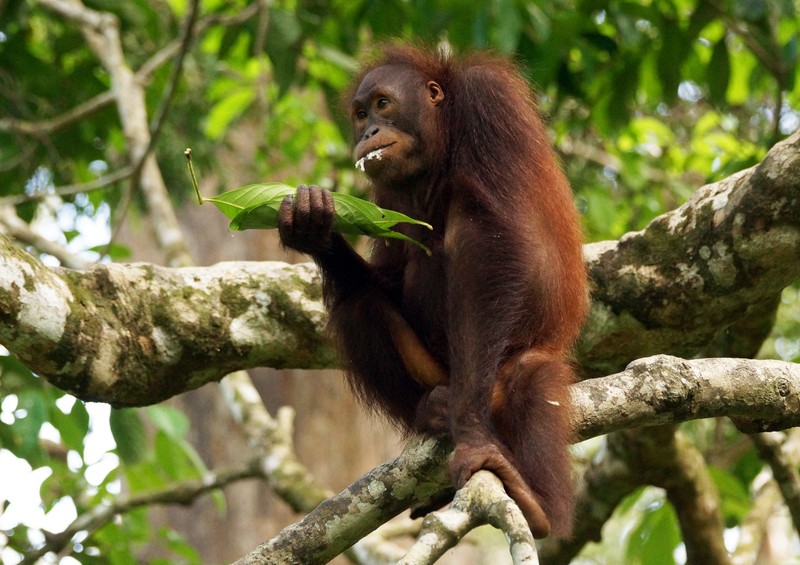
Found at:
<point>499,302</point>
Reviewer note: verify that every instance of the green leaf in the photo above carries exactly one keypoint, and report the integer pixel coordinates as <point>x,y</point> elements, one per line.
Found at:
<point>654,540</point>
<point>357,216</point>
<point>73,427</point>
<point>614,110</point>
<point>176,458</point>
<point>674,49</point>
<point>248,197</point>
<point>115,251</point>
<point>719,73</point>
<point>226,111</point>
<point>171,442</point>
<point>734,498</point>
<point>256,206</point>
<point>283,46</point>
<point>29,426</point>
<point>172,422</point>
<point>128,431</point>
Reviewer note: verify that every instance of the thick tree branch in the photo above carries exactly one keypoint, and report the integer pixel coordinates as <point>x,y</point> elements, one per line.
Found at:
<point>669,288</point>
<point>342,520</point>
<point>136,334</point>
<point>667,390</point>
<point>696,270</point>
<point>688,390</point>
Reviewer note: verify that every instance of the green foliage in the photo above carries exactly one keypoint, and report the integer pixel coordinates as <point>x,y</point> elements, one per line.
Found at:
<point>784,342</point>
<point>129,435</point>
<point>733,495</point>
<point>256,206</point>
<point>654,540</point>
<point>646,101</point>
<point>643,530</point>
<point>30,407</point>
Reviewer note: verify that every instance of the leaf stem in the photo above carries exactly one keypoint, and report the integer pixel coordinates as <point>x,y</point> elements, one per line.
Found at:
<point>188,154</point>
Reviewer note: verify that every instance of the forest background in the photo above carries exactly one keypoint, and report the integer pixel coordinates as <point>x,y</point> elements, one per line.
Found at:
<point>646,102</point>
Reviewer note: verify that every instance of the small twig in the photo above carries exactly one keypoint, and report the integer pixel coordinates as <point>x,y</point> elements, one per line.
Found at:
<point>183,493</point>
<point>771,448</point>
<point>70,189</point>
<point>47,127</point>
<point>379,547</point>
<point>177,71</point>
<point>753,526</point>
<point>483,500</point>
<point>161,113</point>
<point>14,226</point>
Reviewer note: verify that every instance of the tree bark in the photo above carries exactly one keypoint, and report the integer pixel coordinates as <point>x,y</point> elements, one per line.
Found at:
<point>137,334</point>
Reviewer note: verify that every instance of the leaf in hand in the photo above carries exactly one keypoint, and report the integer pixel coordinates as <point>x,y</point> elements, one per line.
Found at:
<point>256,206</point>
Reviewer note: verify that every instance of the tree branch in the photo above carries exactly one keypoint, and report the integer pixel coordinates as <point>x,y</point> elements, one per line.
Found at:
<point>753,527</point>
<point>732,247</point>
<point>688,390</point>
<point>757,531</point>
<point>274,461</point>
<point>46,127</point>
<point>772,448</point>
<point>159,344</point>
<point>101,32</point>
<point>135,334</point>
<point>481,501</point>
<point>16,227</point>
<point>342,520</point>
<point>664,458</point>
<point>187,35</point>
<point>667,390</point>
<point>696,270</point>
<point>70,189</point>
<point>183,493</point>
